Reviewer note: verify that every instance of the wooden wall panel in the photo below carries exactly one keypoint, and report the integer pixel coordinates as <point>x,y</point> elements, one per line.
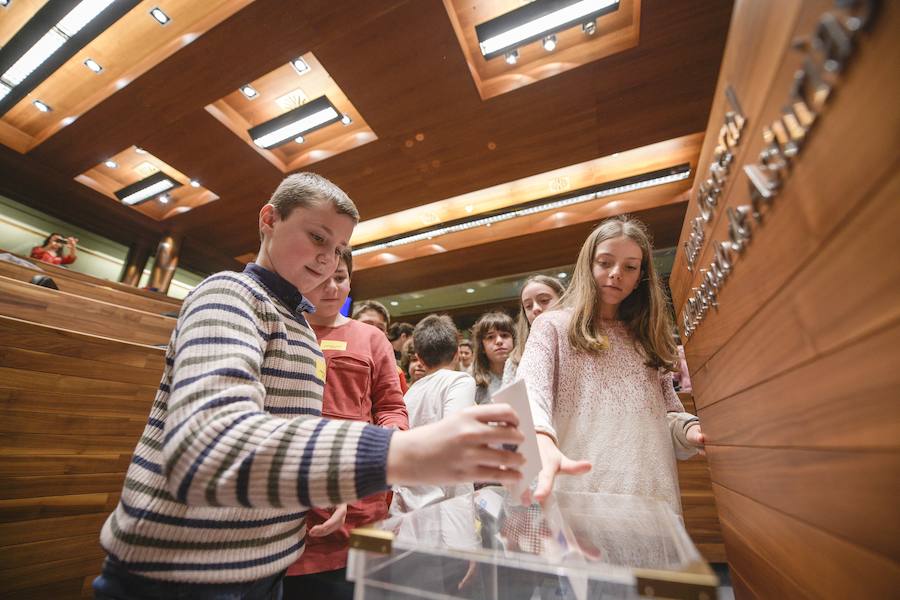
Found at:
<point>795,372</point>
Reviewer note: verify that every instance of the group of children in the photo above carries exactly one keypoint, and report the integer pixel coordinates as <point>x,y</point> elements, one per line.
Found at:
<point>276,416</point>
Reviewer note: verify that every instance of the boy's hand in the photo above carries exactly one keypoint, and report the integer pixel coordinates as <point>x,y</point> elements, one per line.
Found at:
<point>695,437</point>
<point>334,522</point>
<point>456,449</point>
<point>554,462</point>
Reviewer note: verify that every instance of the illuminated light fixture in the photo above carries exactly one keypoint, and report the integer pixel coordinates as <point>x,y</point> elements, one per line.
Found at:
<point>70,31</point>
<point>300,66</point>
<point>41,106</point>
<point>4,3</point>
<point>140,150</point>
<point>550,43</point>
<point>146,188</point>
<point>163,199</point>
<point>249,91</point>
<point>299,139</point>
<point>313,115</point>
<point>111,164</point>
<point>93,65</point>
<point>195,183</point>
<point>537,20</point>
<point>589,28</point>
<point>346,120</point>
<point>562,275</point>
<point>161,17</point>
<point>612,188</point>
<point>394,303</point>
<point>512,57</point>
<point>470,290</point>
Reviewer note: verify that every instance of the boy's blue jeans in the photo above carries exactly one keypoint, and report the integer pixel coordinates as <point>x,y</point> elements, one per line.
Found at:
<point>116,583</point>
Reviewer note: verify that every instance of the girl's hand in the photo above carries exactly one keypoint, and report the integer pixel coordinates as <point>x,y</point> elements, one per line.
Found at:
<point>554,462</point>
<point>334,522</point>
<point>696,438</point>
<point>458,449</point>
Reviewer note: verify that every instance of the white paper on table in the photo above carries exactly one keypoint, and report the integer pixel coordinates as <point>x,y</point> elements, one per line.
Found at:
<point>516,395</point>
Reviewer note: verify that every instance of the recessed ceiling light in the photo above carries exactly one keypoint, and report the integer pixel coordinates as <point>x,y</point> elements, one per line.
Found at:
<point>164,199</point>
<point>299,139</point>
<point>550,43</point>
<point>161,17</point>
<point>41,106</point>
<point>111,164</point>
<point>249,91</point>
<point>140,150</point>
<point>470,290</point>
<point>589,28</point>
<point>469,208</point>
<point>346,120</point>
<point>93,65</point>
<point>4,3</point>
<point>562,275</point>
<point>195,183</point>
<point>300,66</point>
<point>394,303</point>
<point>512,57</point>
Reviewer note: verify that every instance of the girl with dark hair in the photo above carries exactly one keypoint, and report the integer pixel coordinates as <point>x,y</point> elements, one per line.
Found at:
<point>56,250</point>
<point>494,338</point>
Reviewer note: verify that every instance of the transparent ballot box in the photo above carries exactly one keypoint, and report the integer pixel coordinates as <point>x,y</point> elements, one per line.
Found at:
<point>482,546</point>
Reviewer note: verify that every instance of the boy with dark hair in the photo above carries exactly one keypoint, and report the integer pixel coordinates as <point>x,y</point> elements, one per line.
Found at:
<point>235,449</point>
<point>441,393</point>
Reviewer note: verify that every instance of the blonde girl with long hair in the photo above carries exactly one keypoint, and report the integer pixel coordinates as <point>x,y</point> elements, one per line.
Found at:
<point>599,374</point>
<point>539,293</point>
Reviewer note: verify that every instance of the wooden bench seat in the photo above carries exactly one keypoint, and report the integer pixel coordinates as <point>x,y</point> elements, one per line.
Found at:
<point>90,290</point>
<point>75,313</point>
<point>72,407</point>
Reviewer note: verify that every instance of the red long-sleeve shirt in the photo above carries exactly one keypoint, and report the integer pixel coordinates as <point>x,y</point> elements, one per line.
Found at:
<point>46,256</point>
<point>361,384</point>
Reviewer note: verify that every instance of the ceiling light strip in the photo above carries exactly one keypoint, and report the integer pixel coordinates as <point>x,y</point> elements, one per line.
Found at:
<point>292,124</point>
<point>672,176</point>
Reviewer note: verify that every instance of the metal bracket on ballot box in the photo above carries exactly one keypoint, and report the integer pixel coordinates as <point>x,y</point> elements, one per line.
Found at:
<point>695,582</point>
<point>371,540</point>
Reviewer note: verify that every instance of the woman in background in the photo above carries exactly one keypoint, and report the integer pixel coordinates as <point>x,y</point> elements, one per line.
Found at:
<point>56,250</point>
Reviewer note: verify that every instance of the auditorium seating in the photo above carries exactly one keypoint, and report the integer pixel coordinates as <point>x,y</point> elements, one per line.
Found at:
<point>72,406</point>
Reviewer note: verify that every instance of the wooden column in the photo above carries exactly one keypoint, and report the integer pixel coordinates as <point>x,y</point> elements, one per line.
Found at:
<point>164,264</point>
<point>787,289</point>
<point>135,263</point>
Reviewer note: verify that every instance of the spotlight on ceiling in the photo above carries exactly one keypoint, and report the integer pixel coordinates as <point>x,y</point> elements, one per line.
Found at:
<point>249,91</point>
<point>299,139</point>
<point>161,17</point>
<point>537,20</point>
<point>111,164</point>
<point>512,57</point>
<point>346,120</point>
<point>195,183</point>
<point>146,188</point>
<point>550,43</point>
<point>93,65</point>
<point>164,199</point>
<point>41,106</point>
<point>304,119</point>
<point>589,28</point>
<point>300,66</point>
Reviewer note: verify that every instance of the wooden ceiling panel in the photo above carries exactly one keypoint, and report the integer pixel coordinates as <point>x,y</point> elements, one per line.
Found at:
<point>520,254</point>
<point>401,65</point>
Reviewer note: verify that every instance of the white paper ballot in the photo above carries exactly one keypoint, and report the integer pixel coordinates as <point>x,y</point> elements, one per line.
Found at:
<point>516,395</point>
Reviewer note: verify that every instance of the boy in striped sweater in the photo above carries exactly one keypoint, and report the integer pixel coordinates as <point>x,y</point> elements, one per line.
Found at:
<point>235,450</point>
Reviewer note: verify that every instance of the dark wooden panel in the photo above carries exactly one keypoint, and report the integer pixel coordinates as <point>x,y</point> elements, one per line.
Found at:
<point>59,364</point>
<point>782,553</point>
<point>825,489</point>
<point>822,404</point>
<point>544,250</point>
<point>131,403</point>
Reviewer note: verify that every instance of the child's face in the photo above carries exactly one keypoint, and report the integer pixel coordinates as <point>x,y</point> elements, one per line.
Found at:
<point>304,247</point>
<point>497,346</point>
<point>617,269</point>
<point>536,298</point>
<point>329,296</point>
<point>465,355</point>
<point>373,318</point>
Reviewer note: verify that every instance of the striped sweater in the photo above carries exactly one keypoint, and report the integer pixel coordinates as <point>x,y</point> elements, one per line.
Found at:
<point>235,450</point>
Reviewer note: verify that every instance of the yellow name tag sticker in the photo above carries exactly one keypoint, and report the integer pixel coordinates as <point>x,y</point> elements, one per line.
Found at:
<point>333,345</point>
<point>320,368</point>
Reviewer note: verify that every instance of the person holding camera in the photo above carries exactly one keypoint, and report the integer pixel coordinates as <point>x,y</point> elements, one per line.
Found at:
<point>56,250</point>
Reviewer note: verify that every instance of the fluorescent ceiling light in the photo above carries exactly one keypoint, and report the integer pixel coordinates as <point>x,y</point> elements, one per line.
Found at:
<point>4,90</point>
<point>81,15</point>
<point>93,65</point>
<point>34,57</point>
<point>311,116</point>
<point>161,17</point>
<point>536,20</point>
<point>41,106</point>
<point>146,188</point>
<point>612,188</point>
